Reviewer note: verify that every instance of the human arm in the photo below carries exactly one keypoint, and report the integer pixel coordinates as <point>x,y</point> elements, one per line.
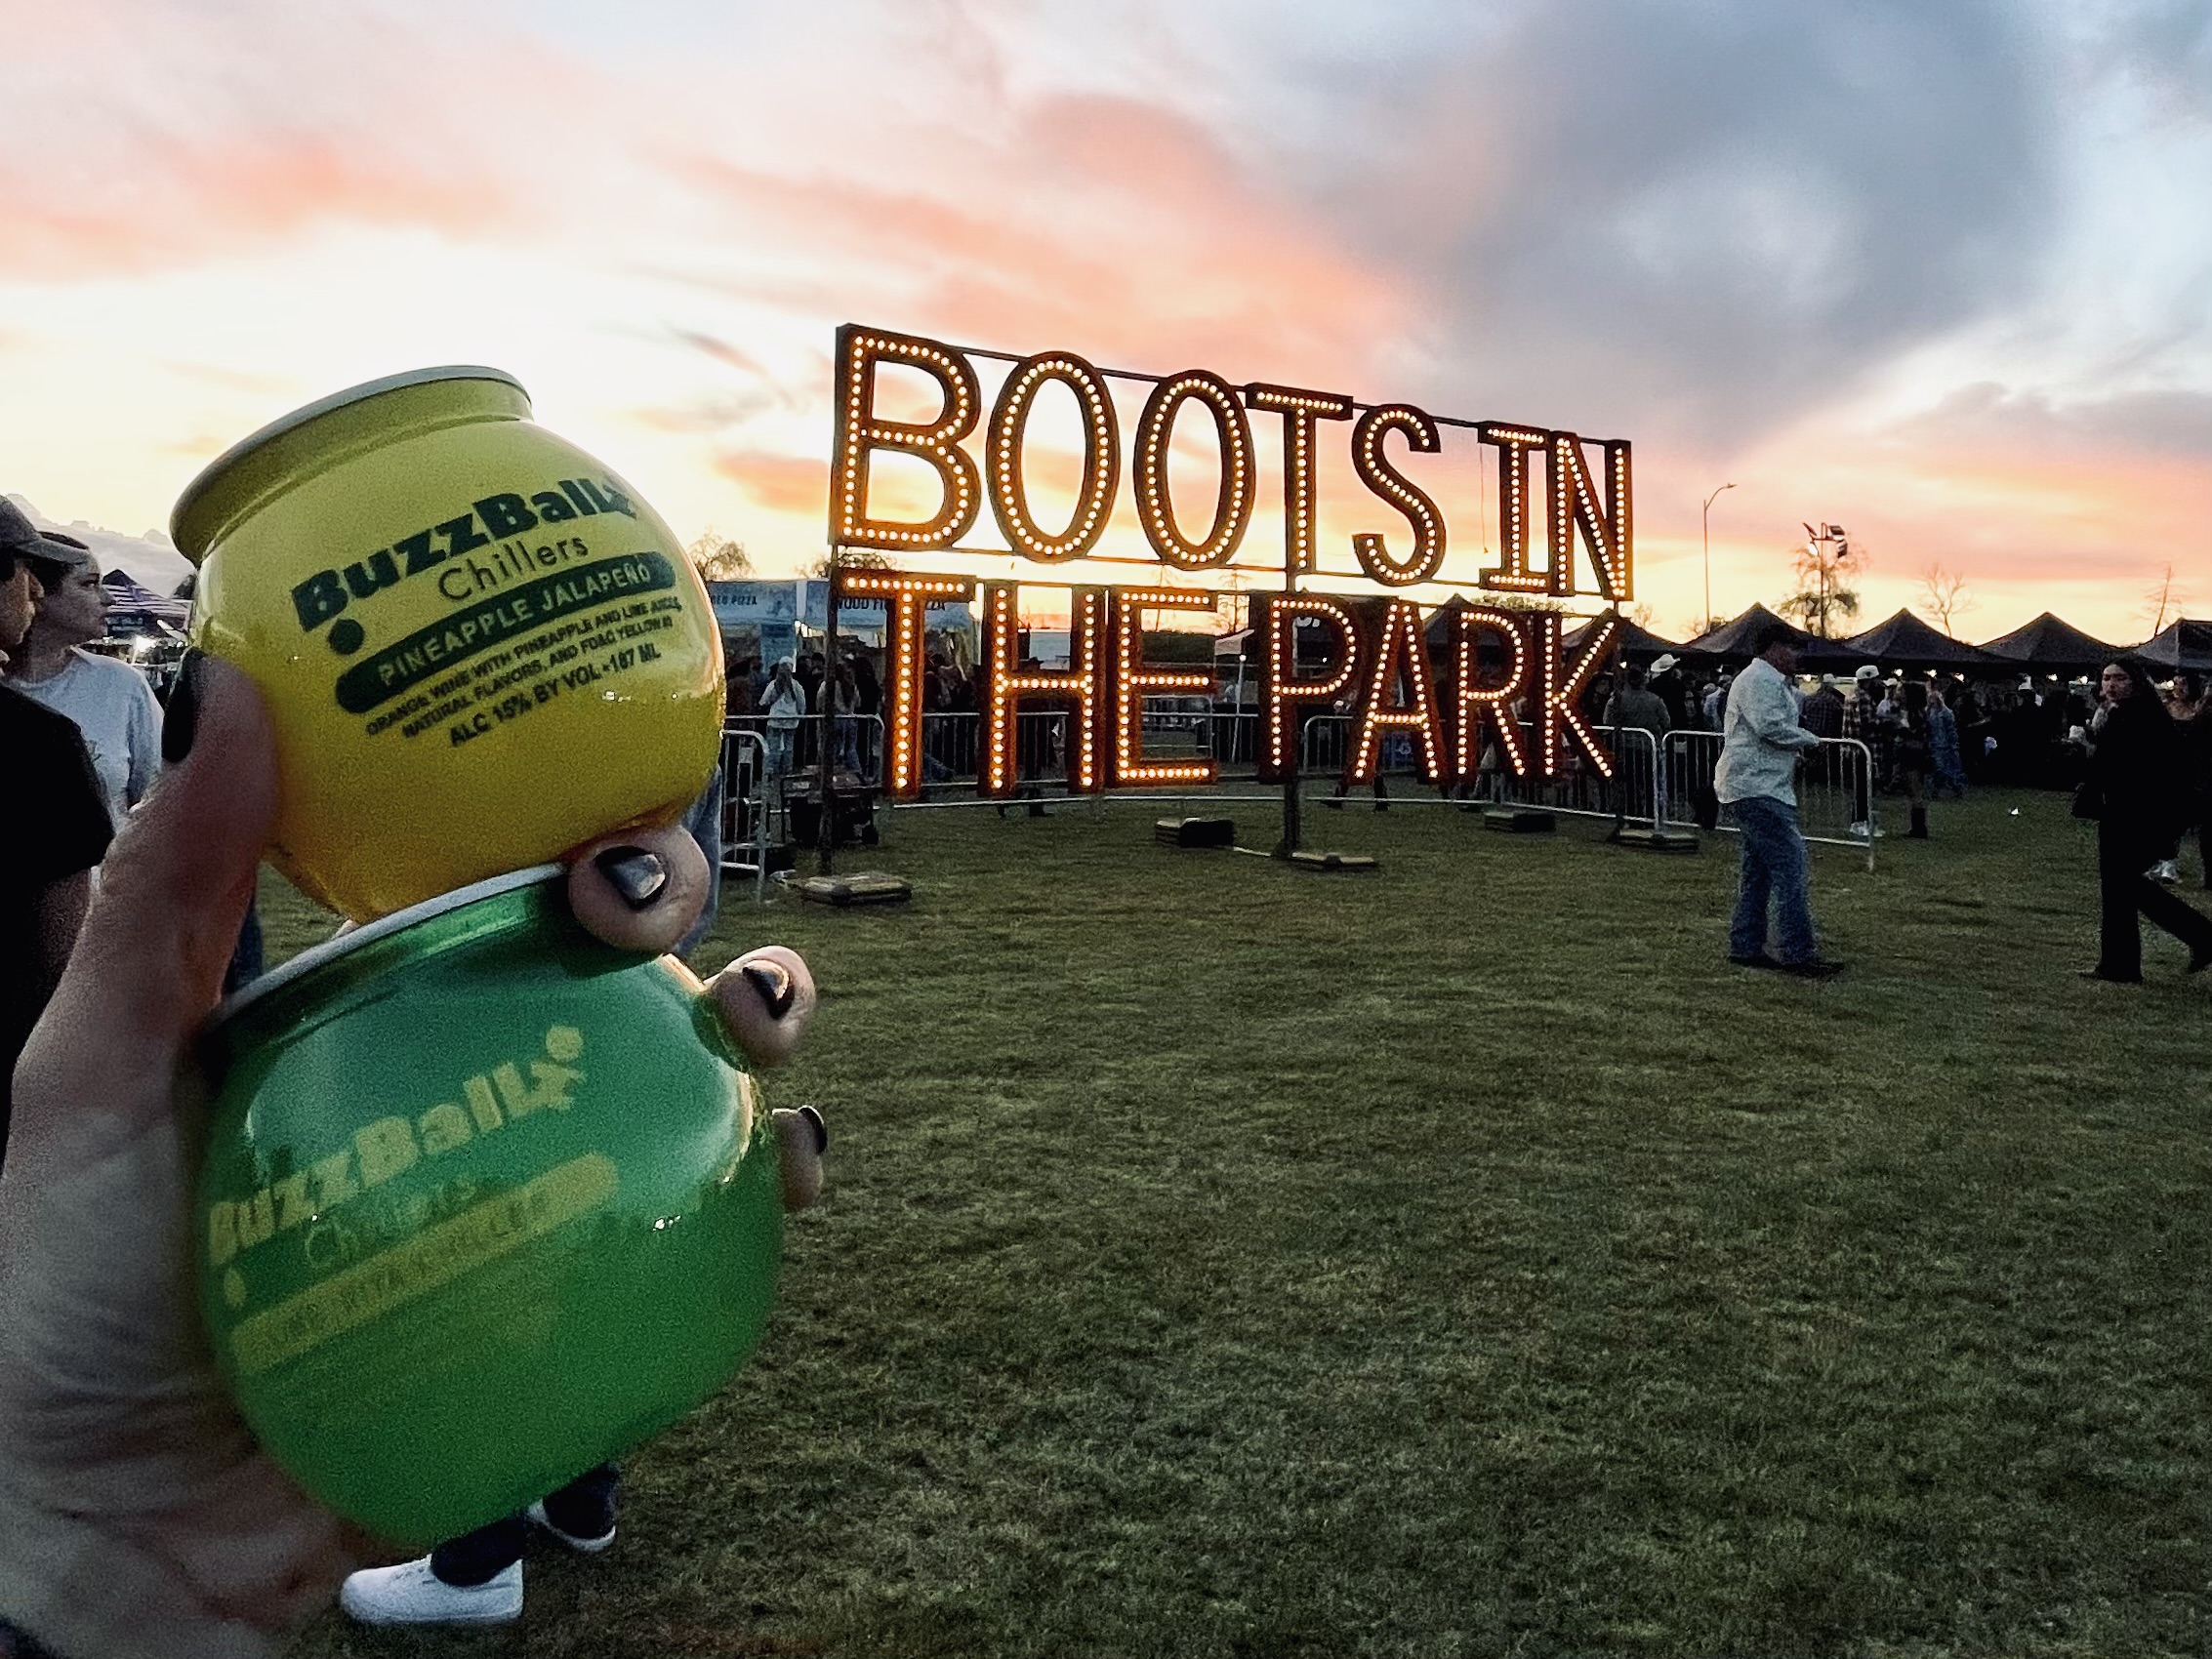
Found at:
<point>137,1517</point>
<point>1772,712</point>
<point>145,739</point>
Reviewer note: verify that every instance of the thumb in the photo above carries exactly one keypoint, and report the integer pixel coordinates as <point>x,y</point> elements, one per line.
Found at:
<point>149,959</point>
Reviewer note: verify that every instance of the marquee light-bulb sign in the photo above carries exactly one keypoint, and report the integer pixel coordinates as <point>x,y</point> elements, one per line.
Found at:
<point>1501,667</point>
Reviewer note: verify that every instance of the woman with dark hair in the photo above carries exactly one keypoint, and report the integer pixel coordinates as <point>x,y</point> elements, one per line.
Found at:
<point>2136,768</point>
<point>1914,754</point>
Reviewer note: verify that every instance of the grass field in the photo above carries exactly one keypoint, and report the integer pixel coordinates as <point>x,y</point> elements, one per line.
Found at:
<point>1224,1260</point>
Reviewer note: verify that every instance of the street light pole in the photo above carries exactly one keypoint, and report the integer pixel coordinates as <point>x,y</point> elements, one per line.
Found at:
<point>1709,500</point>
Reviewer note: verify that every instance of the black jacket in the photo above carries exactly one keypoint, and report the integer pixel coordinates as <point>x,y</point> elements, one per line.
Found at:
<point>2139,768</point>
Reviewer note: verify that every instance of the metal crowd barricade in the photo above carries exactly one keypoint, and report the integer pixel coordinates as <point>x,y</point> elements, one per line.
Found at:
<point>951,763</point>
<point>1636,788</point>
<point>1173,730</point>
<point>1233,740</point>
<point>745,767</point>
<point>1635,794</point>
<point>1836,802</point>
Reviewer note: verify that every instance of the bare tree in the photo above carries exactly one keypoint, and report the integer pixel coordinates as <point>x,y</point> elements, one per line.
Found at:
<point>1826,560</point>
<point>1946,595</point>
<point>2158,600</point>
<point>850,558</point>
<point>719,558</point>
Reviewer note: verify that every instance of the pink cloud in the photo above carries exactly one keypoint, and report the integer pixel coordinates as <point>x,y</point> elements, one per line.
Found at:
<point>153,136</point>
<point>1099,225</point>
<point>780,483</point>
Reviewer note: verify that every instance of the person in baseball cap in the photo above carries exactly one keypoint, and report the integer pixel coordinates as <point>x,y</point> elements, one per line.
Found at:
<point>18,537</point>
<point>47,851</point>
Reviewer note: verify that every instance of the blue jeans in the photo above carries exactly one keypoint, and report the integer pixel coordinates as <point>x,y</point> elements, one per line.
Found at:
<point>1773,866</point>
<point>779,749</point>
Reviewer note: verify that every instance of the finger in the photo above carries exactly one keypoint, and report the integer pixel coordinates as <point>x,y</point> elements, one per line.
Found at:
<point>639,889</point>
<point>766,998</point>
<point>149,959</point>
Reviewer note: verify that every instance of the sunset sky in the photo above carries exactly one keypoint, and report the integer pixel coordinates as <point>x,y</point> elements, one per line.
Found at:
<point>1941,273</point>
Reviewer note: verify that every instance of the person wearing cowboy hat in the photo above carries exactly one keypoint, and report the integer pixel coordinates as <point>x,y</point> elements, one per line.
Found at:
<point>1672,689</point>
<point>1823,714</point>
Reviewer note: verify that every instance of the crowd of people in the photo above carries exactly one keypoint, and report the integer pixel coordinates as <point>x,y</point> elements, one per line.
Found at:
<point>2145,755</point>
<point>1938,735</point>
<point>782,699</point>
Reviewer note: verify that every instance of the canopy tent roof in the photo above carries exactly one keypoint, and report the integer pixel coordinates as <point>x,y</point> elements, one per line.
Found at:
<point>1443,627</point>
<point>2054,646</point>
<point>1733,638</point>
<point>132,608</point>
<point>1639,644</point>
<point>2185,644</point>
<point>1902,641</point>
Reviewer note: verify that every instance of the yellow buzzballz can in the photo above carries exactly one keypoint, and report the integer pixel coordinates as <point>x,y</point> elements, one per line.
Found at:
<point>479,648</point>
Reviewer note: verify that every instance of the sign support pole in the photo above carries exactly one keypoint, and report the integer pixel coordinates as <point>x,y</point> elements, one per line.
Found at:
<point>825,696</point>
<point>1291,806</point>
<point>1620,771</point>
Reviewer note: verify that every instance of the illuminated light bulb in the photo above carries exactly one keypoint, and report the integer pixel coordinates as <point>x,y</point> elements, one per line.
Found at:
<point>1481,706</point>
<point>1007,687</point>
<point>1299,409</point>
<point>1233,503</point>
<point>1282,691</point>
<point>1134,677</point>
<point>1560,692</point>
<point>1511,574</point>
<point>908,598</point>
<point>936,443</point>
<point>1386,481</point>
<point>1400,652</point>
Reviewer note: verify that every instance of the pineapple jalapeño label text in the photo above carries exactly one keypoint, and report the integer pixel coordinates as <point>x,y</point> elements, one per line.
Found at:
<point>517,618</point>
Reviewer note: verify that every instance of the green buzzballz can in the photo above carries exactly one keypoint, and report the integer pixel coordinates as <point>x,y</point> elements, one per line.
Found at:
<point>485,1202</point>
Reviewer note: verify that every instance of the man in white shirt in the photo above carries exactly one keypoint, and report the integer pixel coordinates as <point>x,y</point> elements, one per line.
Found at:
<point>1761,740</point>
